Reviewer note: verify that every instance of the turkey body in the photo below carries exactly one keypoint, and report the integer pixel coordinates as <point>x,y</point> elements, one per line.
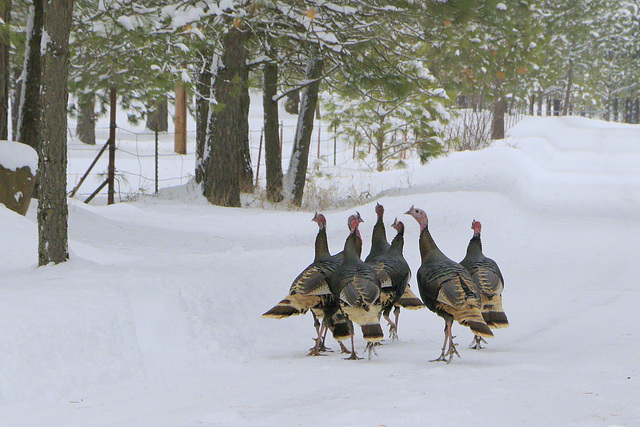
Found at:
<point>447,289</point>
<point>488,278</point>
<point>397,269</point>
<point>357,287</point>
<point>310,291</point>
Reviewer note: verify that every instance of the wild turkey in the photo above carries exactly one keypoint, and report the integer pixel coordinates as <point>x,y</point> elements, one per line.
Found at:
<point>397,268</point>
<point>486,273</point>
<point>447,289</point>
<point>379,243</point>
<point>310,290</point>
<point>357,286</point>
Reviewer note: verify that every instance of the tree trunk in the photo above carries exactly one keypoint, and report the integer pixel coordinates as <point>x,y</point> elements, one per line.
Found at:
<point>52,164</point>
<point>86,128</point>
<point>242,118</point>
<point>5,76</point>
<point>556,107</point>
<point>567,95</point>
<point>28,128</point>
<point>272,153</point>
<point>203,92</point>
<point>158,115</point>
<point>540,98</point>
<point>636,111</point>
<point>297,173</point>
<point>497,122</point>
<point>615,109</point>
<point>222,165</point>
<point>532,103</point>
<point>549,111</point>
<point>292,104</point>
<point>627,110</point>
<point>15,101</point>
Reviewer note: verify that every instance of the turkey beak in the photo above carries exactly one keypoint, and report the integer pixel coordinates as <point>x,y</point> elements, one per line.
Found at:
<point>359,217</point>
<point>410,211</point>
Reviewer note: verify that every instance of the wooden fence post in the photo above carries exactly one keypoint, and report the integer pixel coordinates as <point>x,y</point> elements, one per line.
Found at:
<point>180,137</point>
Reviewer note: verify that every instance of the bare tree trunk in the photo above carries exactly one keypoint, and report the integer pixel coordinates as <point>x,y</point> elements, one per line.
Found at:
<point>28,127</point>
<point>203,92</point>
<point>497,123</point>
<point>86,128</point>
<point>52,164</point>
<point>567,95</point>
<point>222,166</point>
<point>272,153</point>
<point>5,76</point>
<point>615,109</point>
<point>532,103</point>
<point>556,107</point>
<point>540,99</point>
<point>246,170</point>
<point>15,101</point>
<point>296,176</point>
<point>292,104</point>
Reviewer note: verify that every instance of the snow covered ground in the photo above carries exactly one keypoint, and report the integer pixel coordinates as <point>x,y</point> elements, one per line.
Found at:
<point>155,320</point>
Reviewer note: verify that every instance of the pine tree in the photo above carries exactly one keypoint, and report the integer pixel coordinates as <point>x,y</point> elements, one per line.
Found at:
<point>52,164</point>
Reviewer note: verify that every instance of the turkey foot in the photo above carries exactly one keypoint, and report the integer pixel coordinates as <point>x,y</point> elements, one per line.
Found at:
<point>393,328</point>
<point>353,356</point>
<point>371,348</point>
<point>476,344</point>
<point>344,349</point>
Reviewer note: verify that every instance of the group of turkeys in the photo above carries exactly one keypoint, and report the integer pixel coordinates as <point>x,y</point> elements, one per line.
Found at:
<point>341,289</point>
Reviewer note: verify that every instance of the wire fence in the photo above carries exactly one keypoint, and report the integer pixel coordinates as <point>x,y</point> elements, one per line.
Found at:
<point>141,168</point>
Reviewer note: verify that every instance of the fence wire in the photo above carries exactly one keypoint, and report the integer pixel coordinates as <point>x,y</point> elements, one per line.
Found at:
<point>136,158</point>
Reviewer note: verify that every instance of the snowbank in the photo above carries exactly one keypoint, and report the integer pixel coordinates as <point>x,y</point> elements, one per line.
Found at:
<point>155,320</point>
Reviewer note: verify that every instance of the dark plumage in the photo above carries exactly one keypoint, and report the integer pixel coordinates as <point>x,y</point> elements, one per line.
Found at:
<point>447,289</point>
<point>310,290</point>
<point>357,286</point>
<point>486,274</point>
<point>397,268</point>
<point>379,243</point>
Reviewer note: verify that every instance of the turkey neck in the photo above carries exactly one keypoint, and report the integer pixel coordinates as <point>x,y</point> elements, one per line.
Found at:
<point>397,243</point>
<point>379,233</point>
<point>427,244</point>
<point>474,250</point>
<point>353,246</point>
<point>322,246</point>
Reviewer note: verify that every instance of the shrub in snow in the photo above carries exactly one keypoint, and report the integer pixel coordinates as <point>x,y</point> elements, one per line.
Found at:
<point>18,165</point>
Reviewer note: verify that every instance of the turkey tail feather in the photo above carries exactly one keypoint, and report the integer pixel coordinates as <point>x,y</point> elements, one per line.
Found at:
<point>281,310</point>
<point>409,300</point>
<point>293,305</point>
<point>372,333</point>
<point>470,317</point>
<point>493,313</point>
